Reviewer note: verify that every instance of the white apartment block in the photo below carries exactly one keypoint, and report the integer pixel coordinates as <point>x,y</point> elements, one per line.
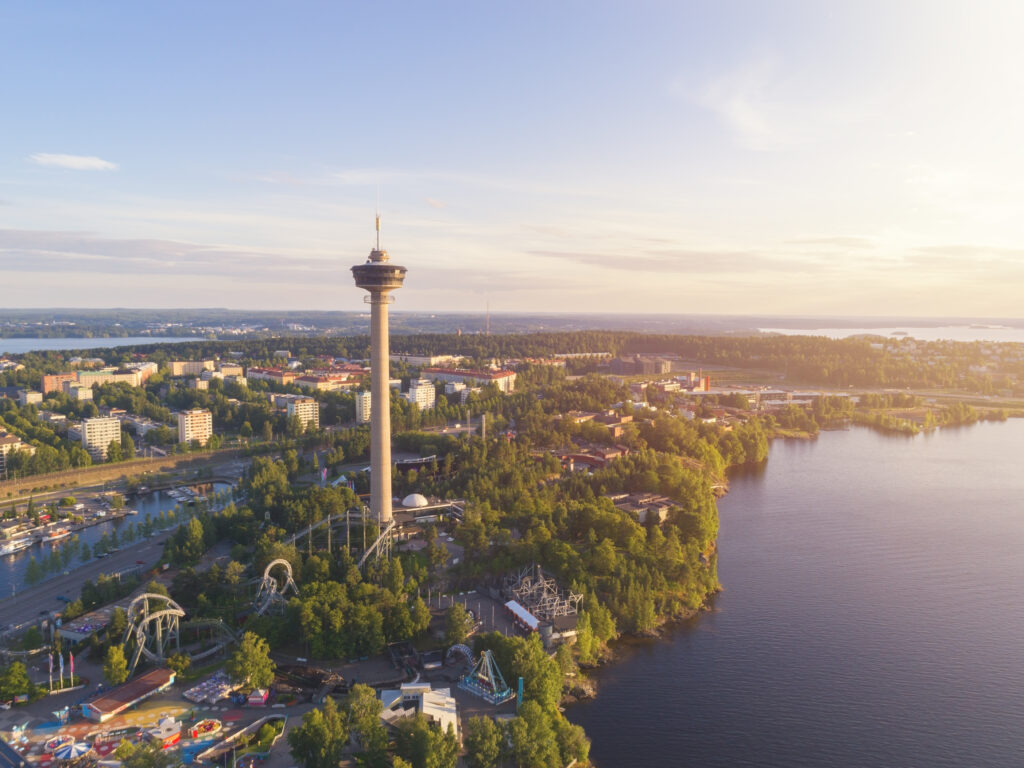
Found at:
<point>306,409</point>
<point>422,392</point>
<point>363,407</point>
<point>190,367</point>
<point>98,434</point>
<point>10,443</point>
<point>27,396</point>
<point>196,424</point>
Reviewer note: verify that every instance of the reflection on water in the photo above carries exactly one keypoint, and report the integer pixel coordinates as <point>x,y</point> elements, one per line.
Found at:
<point>149,505</point>
<point>871,616</point>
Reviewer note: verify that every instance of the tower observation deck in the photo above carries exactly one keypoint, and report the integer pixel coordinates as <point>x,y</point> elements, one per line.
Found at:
<point>379,277</point>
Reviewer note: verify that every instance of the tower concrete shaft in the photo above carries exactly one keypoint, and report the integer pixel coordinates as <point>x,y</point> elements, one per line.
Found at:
<point>379,278</point>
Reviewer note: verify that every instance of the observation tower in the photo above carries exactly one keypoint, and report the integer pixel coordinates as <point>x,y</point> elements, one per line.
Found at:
<point>379,277</point>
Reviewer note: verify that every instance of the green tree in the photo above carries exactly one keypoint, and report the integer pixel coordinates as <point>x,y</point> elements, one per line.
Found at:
<point>115,667</point>
<point>179,662</point>
<point>34,572</point>
<point>484,741</point>
<point>14,682</point>
<point>423,744</point>
<point>251,664</point>
<point>534,744</point>
<point>458,624</point>
<point>114,451</point>
<point>147,755</point>
<point>363,708</point>
<point>32,639</point>
<point>118,622</point>
<point>320,740</point>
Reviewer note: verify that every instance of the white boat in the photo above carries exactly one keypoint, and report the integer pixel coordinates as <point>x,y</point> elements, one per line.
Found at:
<point>133,511</point>
<point>56,535</point>
<point>15,545</point>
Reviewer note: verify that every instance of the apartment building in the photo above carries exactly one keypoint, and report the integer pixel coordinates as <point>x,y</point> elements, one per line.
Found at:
<point>196,424</point>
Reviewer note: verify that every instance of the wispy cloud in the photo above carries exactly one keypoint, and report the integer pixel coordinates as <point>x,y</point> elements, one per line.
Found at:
<point>835,242</point>
<point>434,203</point>
<point>674,261</point>
<point>73,162</point>
<point>76,252</point>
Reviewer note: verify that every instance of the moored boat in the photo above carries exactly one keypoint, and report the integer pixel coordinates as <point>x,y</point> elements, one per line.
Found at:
<point>14,545</point>
<point>56,535</point>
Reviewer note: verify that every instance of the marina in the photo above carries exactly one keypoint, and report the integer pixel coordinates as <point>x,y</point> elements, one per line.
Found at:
<point>97,523</point>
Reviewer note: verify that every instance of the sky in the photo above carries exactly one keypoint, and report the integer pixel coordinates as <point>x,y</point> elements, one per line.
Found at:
<point>811,158</point>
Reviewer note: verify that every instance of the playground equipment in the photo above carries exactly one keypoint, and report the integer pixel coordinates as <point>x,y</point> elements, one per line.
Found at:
<point>269,597</point>
<point>485,680</point>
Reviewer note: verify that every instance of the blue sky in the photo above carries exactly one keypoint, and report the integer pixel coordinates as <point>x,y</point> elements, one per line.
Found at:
<point>726,157</point>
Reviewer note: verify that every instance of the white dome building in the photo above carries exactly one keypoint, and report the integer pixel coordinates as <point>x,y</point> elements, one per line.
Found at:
<point>415,500</point>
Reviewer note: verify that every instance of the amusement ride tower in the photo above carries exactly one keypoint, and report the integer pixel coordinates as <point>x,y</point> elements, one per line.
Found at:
<point>379,278</point>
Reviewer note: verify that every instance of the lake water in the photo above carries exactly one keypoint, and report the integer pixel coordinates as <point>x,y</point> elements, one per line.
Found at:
<point>873,615</point>
<point>20,346</point>
<point>13,567</point>
<point>939,333</point>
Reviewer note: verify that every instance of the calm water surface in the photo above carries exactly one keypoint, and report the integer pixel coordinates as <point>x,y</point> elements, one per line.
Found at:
<point>927,333</point>
<point>13,567</point>
<point>873,615</point>
<point>20,346</point>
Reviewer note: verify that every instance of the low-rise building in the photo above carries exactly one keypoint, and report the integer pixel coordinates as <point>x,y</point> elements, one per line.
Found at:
<point>190,367</point>
<point>29,397</point>
<point>9,444</point>
<point>274,375</point>
<point>437,705</point>
<point>78,391</point>
<point>644,505</point>
<point>505,381</point>
<point>424,361</point>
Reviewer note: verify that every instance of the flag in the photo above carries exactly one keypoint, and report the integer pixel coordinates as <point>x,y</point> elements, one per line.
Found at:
<point>60,658</point>
<point>323,475</point>
<point>51,665</point>
<point>71,656</point>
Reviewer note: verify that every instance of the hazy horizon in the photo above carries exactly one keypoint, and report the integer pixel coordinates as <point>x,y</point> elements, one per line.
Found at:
<point>793,158</point>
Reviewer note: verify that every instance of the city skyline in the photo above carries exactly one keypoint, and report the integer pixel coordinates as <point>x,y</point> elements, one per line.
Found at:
<point>791,158</point>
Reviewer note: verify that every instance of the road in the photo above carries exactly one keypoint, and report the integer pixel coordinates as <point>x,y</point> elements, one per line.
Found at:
<point>27,605</point>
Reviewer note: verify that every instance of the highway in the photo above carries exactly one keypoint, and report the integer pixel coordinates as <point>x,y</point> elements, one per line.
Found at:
<point>27,606</point>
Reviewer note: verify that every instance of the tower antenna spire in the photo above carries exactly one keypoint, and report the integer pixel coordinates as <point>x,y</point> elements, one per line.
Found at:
<point>378,217</point>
